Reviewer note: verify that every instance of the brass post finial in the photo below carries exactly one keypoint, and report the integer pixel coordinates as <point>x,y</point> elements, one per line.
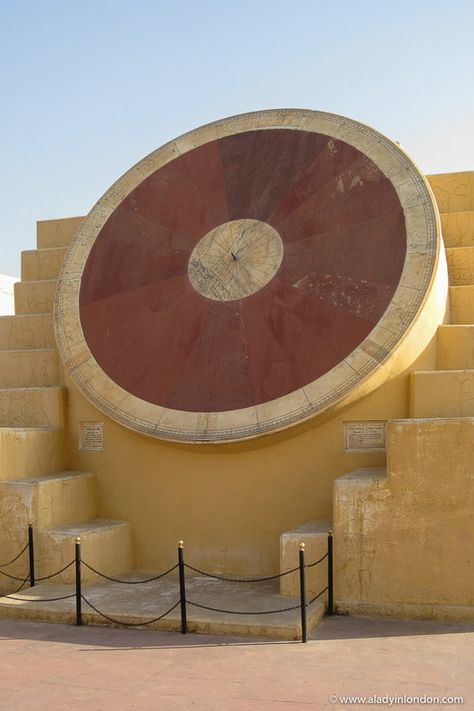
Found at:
<point>330,532</point>
<point>302,546</point>
<point>78,539</point>
<point>180,544</point>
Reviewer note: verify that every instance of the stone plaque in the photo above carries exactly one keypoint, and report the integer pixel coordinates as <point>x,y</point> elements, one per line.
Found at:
<point>364,436</point>
<point>91,436</point>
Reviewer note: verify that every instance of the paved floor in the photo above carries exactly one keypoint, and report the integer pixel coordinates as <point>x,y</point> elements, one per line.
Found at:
<point>48,666</point>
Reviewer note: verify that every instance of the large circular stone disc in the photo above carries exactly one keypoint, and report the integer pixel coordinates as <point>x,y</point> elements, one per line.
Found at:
<point>246,276</point>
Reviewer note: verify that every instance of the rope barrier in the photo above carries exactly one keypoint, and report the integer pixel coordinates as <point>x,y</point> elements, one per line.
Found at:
<point>4,565</point>
<point>318,595</point>
<point>58,572</point>
<point>261,612</point>
<point>45,577</point>
<point>130,624</point>
<point>12,577</point>
<point>18,589</point>
<point>241,580</point>
<point>240,612</point>
<point>316,562</point>
<point>129,582</point>
<point>182,601</point>
<point>252,580</point>
<point>37,599</point>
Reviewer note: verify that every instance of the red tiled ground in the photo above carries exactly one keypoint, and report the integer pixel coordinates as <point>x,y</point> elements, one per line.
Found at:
<point>46,666</point>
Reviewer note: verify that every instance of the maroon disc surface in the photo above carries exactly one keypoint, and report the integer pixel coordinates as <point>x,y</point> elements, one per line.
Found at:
<point>344,243</point>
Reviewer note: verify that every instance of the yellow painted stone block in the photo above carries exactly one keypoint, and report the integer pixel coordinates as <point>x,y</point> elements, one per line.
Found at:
<point>37,264</point>
<point>27,331</point>
<point>57,233</point>
<point>105,545</point>
<point>458,228</point>
<point>455,347</point>
<point>454,192</point>
<point>32,407</point>
<point>27,452</point>
<point>404,543</point>
<point>357,498</point>
<point>314,535</point>
<point>48,501</point>
<point>26,368</point>
<point>461,302</point>
<point>442,393</point>
<point>460,265</point>
<point>34,296</point>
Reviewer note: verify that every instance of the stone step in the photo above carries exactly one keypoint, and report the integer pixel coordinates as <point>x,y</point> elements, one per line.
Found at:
<point>461,302</point>
<point>27,331</point>
<point>56,233</point>
<point>460,265</point>
<point>314,534</point>
<point>30,452</point>
<point>458,228</point>
<point>32,407</point>
<point>25,368</point>
<point>105,545</point>
<point>454,192</point>
<point>34,297</point>
<point>38,264</point>
<point>455,349</point>
<point>142,603</point>
<point>47,501</point>
<point>442,393</point>
<point>364,477</point>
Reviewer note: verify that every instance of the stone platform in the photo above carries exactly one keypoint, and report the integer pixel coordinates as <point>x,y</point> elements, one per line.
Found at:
<point>141,602</point>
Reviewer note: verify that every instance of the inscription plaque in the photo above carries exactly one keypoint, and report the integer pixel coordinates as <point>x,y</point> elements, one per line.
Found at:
<point>364,436</point>
<point>91,436</point>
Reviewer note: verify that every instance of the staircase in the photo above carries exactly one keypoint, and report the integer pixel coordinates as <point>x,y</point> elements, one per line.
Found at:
<point>403,536</point>
<point>35,484</point>
<point>449,391</point>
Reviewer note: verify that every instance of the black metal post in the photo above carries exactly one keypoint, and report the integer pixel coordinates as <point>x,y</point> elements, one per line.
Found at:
<point>31,554</point>
<point>182,587</point>
<point>330,576</point>
<point>78,583</point>
<point>303,595</point>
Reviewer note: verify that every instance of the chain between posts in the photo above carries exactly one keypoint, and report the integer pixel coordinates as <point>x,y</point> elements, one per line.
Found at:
<point>130,624</point>
<point>129,582</point>
<point>13,560</point>
<point>181,565</point>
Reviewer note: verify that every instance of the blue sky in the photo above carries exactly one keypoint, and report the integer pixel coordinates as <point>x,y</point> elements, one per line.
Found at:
<point>89,88</point>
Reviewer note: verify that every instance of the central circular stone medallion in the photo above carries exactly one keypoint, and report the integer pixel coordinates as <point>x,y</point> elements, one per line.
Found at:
<point>235,259</point>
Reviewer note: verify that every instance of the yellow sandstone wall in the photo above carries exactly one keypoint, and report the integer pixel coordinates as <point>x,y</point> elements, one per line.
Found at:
<point>403,535</point>
<point>404,543</point>
<point>231,503</point>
